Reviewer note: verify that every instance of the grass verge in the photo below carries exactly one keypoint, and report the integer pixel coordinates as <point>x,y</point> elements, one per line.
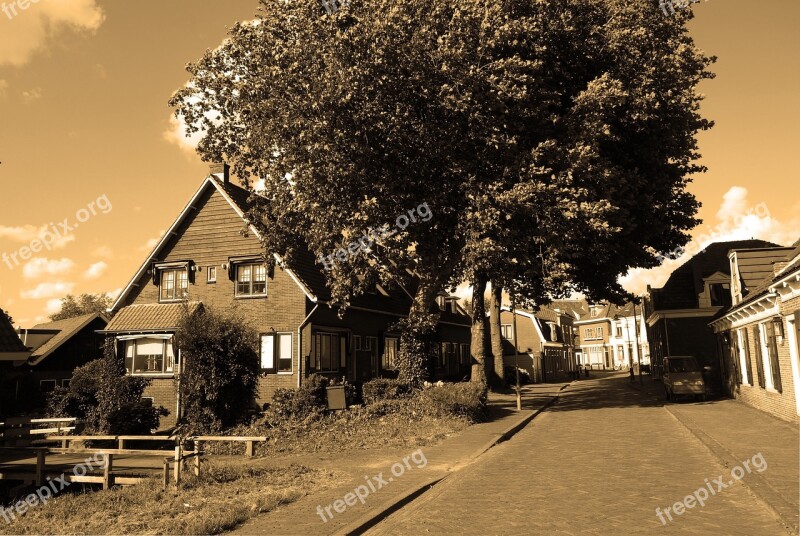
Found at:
<point>226,494</point>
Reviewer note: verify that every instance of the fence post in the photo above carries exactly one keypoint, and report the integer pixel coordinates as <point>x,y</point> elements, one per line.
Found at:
<point>249,451</point>
<point>196,458</point>
<point>40,454</point>
<point>178,464</point>
<point>120,444</point>
<point>166,473</point>
<point>109,459</point>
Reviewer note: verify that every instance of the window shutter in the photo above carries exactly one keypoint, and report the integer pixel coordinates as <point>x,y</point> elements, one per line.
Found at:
<point>759,356</point>
<point>268,353</point>
<point>773,356</point>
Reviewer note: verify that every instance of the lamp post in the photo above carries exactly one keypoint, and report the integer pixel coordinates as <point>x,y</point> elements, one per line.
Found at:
<point>636,335</point>
<point>516,350</point>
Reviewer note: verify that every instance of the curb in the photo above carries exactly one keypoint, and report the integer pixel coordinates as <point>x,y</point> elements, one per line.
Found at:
<point>755,483</point>
<point>371,519</point>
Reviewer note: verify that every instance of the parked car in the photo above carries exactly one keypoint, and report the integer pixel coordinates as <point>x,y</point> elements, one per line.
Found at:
<point>683,376</point>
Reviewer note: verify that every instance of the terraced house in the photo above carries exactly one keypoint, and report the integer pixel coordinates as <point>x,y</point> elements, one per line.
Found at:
<point>758,336</point>
<point>205,259</point>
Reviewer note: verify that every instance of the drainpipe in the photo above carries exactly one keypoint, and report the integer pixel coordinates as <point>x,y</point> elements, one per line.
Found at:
<point>300,344</point>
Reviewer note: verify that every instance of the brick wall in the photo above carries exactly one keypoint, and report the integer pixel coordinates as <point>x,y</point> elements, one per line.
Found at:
<point>781,404</point>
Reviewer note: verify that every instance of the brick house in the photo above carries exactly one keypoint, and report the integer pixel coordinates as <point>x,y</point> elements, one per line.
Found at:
<point>758,338</point>
<point>205,259</point>
<point>545,343</point>
<point>594,330</point>
<point>678,313</point>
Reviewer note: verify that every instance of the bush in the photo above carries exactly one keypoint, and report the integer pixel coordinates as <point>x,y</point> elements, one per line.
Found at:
<point>221,368</point>
<point>105,400</point>
<point>381,389</point>
<point>311,398</point>
<point>465,399</point>
<point>510,375</point>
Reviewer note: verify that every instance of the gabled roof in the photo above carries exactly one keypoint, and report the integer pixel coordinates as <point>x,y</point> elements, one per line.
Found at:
<point>756,265</point>
<point>64,331</point>
<point>150,317</point>
<point>685,283</point>
<point>237,198</point>
<point>10,343</point>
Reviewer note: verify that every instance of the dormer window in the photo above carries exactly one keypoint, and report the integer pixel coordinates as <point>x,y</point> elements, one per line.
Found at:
<point>251,280</point>
<point>174,284</point>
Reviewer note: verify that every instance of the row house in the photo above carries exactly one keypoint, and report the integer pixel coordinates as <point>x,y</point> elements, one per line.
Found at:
<point>208,258</point>
<point>544,343</point>
<point>678,314</point>
<point>611,336</point>
<point>758,337</point>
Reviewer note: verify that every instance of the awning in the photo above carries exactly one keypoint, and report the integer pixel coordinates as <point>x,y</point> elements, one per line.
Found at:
<point>150,317</point>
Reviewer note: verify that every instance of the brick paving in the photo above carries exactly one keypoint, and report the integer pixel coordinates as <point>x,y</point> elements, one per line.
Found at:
<point>351,467</point>
<point>600,461</point>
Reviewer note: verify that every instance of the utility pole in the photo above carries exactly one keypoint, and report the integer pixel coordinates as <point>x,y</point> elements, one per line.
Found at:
<point>516,351</point>
<point>636,336</point>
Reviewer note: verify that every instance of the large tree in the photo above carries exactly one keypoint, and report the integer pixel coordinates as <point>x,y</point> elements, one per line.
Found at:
<point>552,142</point>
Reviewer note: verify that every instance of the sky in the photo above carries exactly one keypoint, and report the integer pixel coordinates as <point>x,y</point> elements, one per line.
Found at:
<point>92,160</point>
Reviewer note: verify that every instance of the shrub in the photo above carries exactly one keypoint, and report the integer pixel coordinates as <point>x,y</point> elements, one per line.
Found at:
<point>465,399</point>
<point>510,375</point>
<point>300,403</point>
<point>221,368</point>
<point>381,389</point>
<point>104,399</point>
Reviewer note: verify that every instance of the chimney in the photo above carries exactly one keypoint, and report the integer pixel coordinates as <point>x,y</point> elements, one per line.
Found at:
<point>221,171</point>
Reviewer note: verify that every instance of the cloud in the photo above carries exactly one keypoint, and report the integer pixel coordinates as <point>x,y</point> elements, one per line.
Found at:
<point>103,252</point>
<point>53,306</point>
<point>27,31</point>
<point>31,95</point>
<point>48,290</point>
<point>114,294</point>
<point>96,270</point>
<point>39,266</point>
<point>736,219</point>
<point>28,233</point>
<point>151,243</point>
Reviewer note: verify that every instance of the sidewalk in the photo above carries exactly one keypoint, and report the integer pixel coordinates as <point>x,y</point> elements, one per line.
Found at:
<point>354,467</point>
<point>735,432</point>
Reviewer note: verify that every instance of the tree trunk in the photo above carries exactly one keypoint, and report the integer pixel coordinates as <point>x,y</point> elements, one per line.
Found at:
<point>478,346</point>
<point>417,330</point>
<point>497,378</point>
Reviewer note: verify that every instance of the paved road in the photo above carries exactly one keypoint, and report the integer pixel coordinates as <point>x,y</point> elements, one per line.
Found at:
<point>599,462</point>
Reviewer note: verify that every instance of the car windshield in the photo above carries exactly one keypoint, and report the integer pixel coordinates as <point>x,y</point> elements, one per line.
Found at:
<point>684,364</point>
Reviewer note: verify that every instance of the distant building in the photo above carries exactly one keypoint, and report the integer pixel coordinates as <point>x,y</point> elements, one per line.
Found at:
<point>758,337</point>
<point>545,342</point>
<point>11,351</point>
<point>679,312</point>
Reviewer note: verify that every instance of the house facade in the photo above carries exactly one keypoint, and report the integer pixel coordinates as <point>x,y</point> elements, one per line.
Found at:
<point>206,260</point>
<point>758,337</point>
<point>678,314</point>
<point>12,351</point>
<point>545,343</point>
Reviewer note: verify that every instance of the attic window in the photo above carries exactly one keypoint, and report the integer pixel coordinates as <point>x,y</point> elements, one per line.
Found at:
<point>174,285</point>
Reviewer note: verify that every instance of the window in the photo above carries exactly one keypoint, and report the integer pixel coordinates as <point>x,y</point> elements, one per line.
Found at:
<point>507,331</point>
<point>356,342</point>
<point>744,350</point>
<point>595,311</point>
<point>174,285</point>
<point>149,355</point>
<point>276,352</point>
<point>390,348</point>
<point>599,332</point>
<point>251,280</point>
<point>771,332</point>
<point>464,358</point>
<point>328,353</point>
<point>211,275</point>
<point>619,331</point>
<point>759,356</point>
<point>46,386</point>
<point>720,294</point>
<point>65,384</point>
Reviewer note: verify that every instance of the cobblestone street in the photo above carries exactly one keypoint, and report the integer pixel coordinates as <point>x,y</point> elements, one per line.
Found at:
<point>600,461</point>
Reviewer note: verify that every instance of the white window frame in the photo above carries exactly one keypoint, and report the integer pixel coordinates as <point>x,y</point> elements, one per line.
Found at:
<point>252,266</point>
<point>169,362</point>
<point>507,331</point>
<point>209,277</point>
<point>178,296</point>
<point>742,357</point>
<point>271,346</point>
<point>766,361</point>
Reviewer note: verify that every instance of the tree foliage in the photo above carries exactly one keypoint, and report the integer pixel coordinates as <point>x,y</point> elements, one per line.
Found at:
<point>105,399</point>
<point>72,306</point>
<point>219,380</point>
<point>553,141</point>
